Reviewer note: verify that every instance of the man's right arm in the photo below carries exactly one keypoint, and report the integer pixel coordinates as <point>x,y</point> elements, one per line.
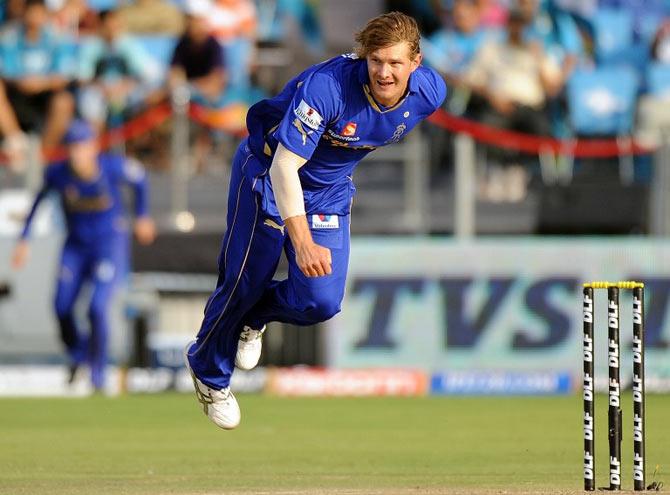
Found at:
<point>21,250</point>
<point>312,259</point>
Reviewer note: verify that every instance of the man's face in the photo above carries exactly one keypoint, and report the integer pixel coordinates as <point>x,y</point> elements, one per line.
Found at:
<point>389,69</point>
<point>198,28</point>
<point>515,29</point>
<point>83,157</point>
<point>466,15</point>
<point>35,16</point>
<point>528,8</point>
<point>112,25</point>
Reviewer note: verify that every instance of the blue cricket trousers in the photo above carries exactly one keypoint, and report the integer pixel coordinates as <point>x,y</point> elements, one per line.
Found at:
<point>102,264</point>
<point>246,293</point>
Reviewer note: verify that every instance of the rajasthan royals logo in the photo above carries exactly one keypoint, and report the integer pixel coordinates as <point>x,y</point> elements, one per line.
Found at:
<point>397,134</point>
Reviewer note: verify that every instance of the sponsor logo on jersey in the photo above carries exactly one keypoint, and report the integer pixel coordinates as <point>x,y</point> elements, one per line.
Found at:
<point>321,221</point>
<point>310,117</point>
<point>337,141</point>
<point>76,203</point>
<point>340,137</point>
<point>349,129</point>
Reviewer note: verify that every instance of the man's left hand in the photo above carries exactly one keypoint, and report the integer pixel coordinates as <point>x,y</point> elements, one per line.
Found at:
<point>145,230</point>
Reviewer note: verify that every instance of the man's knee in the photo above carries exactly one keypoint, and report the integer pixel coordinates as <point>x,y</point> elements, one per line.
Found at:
<point>323,308</point>
<point>62,103</point>
<point>97,311</point>
<point>64,308</point>
<point>63,312</point>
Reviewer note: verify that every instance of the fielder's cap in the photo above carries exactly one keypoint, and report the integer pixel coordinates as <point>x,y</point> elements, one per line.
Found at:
<point>198,8</point>
<point>79,131</point>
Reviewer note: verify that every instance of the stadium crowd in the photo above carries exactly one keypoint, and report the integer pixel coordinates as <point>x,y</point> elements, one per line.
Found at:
<point>105,60</point>
<point>522,65</point>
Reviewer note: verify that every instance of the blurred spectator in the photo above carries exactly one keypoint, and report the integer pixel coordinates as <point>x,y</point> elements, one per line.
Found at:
<point>12,10</point>
<point>232,19</point>
<point>425,12</point>
<point>451,49</point>
<point>582,9</point>
<point>555,30</point>
<point>646,15</point>
<point>198,60</point>
<point>198,66</point>
<point>115,73</point>
<point>75,18</point>
<point>15,144</point>
<point>561,40</point>
<point>153,17</point>
<point>515,78</point>
<point>36,66</point>
<point>234,24</point>
<point>493,13</point>
<point>660,47</point>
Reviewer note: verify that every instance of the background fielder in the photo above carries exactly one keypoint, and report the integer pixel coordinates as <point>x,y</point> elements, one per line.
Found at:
<point>89,186</point>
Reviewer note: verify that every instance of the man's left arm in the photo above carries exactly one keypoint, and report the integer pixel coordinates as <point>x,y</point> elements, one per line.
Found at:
<point>133,174</point>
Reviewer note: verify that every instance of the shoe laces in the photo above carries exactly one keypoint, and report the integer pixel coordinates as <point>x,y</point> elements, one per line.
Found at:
<point>207,395</point>
<point>249,334</point>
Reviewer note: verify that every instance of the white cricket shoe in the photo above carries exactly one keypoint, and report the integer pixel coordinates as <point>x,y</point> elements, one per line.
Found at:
<point>220,406</point>
<point>249,348</point>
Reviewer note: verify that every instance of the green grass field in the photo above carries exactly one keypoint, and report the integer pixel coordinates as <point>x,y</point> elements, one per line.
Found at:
<point>164,444</point>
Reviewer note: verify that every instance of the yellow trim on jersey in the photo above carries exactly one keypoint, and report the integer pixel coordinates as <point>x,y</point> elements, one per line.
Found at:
<point>375,105</point>
<point>266,146</point>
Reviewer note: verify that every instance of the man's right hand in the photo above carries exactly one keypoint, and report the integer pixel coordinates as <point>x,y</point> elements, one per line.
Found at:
<point>20,255</point>
<point>312,259</point>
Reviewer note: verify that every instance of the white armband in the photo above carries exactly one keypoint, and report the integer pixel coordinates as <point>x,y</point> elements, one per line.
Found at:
<point>286,182</point>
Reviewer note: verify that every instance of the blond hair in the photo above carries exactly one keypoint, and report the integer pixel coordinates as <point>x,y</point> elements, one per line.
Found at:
<point>386,30</point>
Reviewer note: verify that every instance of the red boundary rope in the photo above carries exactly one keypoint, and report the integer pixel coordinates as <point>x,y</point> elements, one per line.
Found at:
<point>525,143</point>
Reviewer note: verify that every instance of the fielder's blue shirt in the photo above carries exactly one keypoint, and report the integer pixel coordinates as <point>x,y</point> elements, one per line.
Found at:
<point>328,116</point>
<point>94,209</point>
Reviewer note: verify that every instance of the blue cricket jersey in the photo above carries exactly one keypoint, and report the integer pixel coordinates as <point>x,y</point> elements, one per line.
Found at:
<point>328,116</point>
<point>94,209</point>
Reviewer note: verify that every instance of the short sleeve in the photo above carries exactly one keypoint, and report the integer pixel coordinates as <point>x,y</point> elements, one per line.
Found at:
<point>9,60</point>
<point>217,56</point>
<point>123,170</point>
<point>177,59</point>
<point>64,56</point>
<point>132,171</point>
<point>143,65</point>
<point>317,102</point>
<point>439,90</point>
<point>88,54</point>
<point>435,51</point>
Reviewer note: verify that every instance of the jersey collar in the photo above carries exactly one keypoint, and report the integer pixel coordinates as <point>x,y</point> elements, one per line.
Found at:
<point>364,79</point>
